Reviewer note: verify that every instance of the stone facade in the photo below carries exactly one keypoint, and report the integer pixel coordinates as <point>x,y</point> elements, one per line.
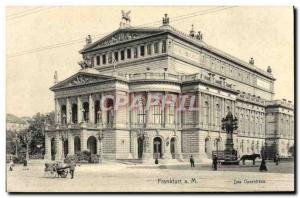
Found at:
<point>133,62</point>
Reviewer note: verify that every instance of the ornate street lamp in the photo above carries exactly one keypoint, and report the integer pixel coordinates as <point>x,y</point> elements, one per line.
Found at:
<point>229,124</point>
<point>100,138</point>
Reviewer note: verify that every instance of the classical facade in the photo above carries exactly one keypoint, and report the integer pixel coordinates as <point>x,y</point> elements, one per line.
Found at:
<point>134,62</point>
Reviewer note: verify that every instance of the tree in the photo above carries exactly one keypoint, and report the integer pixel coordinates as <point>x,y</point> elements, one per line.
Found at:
<point>36,132</point>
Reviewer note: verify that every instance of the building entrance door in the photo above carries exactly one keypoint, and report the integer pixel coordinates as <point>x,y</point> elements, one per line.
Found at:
<point>157,148</point>
<point>92,144</point>
<point>140,147</point>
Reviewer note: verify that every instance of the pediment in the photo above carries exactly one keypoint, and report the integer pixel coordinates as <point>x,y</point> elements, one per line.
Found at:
<point>120,36</point>
<point>80,79</point>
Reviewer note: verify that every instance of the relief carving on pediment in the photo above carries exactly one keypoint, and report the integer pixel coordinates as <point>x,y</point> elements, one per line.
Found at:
<point>81,79</point>
<point>121,37</point>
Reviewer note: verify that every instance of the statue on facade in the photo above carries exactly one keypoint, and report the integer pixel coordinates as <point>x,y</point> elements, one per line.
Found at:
<point>111,117</point>
<point>88,40</point>
<point>165,20</point>
<point>199,36</point>
<point>126,17</point>
<point>55,77</point>
<point>269,70</point>
<point>99,115</point>
<point>192,32</point>
<point>251,61</point>
<point>86,63</point>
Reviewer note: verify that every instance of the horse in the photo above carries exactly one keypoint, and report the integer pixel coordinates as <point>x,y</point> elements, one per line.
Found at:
<point>249,157</point>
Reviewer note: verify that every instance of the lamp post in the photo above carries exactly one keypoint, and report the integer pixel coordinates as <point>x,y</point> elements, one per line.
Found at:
<point>16,138</point>
<point>100,138</point>
<point>229,124</point>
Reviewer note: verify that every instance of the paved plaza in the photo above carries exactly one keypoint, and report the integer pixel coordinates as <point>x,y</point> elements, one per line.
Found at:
<point>111,176</point>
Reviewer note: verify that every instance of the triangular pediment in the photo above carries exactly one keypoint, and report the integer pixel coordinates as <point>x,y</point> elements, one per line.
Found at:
<point>81,78</point>
<point>121,35</point>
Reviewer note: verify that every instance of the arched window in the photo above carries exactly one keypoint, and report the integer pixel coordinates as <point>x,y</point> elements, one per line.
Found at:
<point>74,113</point>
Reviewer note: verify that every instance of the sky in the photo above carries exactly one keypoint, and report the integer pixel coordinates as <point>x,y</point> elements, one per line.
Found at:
<point>265,33</point>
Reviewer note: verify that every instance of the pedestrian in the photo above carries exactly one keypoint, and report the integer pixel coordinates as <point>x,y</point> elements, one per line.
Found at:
<point>276,159</point>
<point>263,166</point>
<point>72,168</point>
<point>11,165</point>
<point>215,163</point>
<point>192,161</point>
<point>25,164</point>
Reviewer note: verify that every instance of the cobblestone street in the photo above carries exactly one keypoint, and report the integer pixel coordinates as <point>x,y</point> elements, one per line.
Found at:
<point>165,178</point>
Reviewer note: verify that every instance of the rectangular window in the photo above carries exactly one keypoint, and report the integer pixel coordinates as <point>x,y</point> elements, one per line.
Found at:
<point>116,56</point>
<point>141,115</point>
<point>164,47</point>
<point>135,52</point>
<point>170,114</point>
<point>98,60</point>
<point>156,48</point>
<point>142,52</point>
<point>122,55</point>
<point>149,49</point>
<point>103,59</point>
<point>128,53</point>
<point>156,114</point>
<point>92,61</point>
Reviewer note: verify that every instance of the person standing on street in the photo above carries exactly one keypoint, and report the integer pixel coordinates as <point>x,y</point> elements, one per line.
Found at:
<point>215,163</point>
<point>72,168</point>
<point>192,161</point>
<point>263,166</point>
<point>276,159</point>
<point>11,165</point>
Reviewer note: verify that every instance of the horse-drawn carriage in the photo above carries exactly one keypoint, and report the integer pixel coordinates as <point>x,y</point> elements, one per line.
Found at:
<point>57,169</point>
<point>221,157</point>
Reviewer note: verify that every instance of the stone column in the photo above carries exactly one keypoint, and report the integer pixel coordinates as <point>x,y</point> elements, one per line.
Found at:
<point>138,51</point>
<point>71,143</point>
<point>164,110</point>
<point>91,109</point>
<point>47,155</point>
<point>79,109</point>
<point>148,113</point>
<point>159,47</point>
<point>179,113</point>
<point>58,142</point>
<point>128,95</point>
<point>200,108</point>
<point>125,54</point>
<point>57,112</point>
<point>69,111</point>
<point>104,112</point>
<point>83,141</point>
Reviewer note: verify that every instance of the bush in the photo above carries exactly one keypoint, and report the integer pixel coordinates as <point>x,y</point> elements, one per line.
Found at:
<point>84,156</point>
<point>95,158</point>
<point>71,158</point>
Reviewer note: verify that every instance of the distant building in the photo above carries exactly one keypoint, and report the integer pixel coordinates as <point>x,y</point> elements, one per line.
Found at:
<point>139,62</point>
<point>14,123</point>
